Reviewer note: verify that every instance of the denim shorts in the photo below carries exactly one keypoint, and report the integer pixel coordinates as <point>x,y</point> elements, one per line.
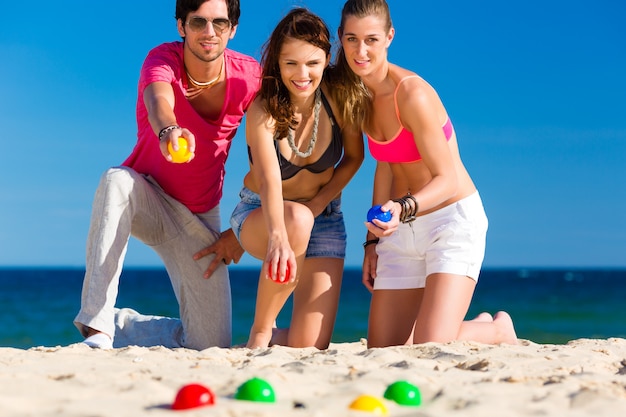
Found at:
<point>450,240</point>
<point>328,237</point>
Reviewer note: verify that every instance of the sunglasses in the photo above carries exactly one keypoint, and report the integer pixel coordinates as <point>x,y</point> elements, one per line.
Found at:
<point>199,24</point>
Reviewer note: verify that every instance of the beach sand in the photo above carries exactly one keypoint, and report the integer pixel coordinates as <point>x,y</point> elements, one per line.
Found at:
<point>585,377</point>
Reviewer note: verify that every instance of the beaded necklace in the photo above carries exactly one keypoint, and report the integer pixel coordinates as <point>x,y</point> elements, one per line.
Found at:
<point>316,119</point>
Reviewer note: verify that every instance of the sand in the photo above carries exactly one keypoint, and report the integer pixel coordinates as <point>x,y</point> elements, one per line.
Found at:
<point>585,377</point>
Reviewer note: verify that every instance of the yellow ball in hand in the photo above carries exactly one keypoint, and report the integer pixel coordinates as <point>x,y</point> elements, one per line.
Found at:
<point>182,154</point>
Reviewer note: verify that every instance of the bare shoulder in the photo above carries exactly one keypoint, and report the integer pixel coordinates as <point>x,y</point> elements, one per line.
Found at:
<point>416,98</point>
<point>257,110</point>
<point>409,82</point>
<point>258,119</point>
<point>412,89</point>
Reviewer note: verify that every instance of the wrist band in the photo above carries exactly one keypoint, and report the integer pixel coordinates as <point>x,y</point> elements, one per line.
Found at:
<point>370,242</point>
<point>409,208</point>
<point>167,130</point>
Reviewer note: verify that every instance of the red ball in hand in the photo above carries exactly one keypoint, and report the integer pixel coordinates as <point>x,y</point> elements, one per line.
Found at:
<point>275,278</point>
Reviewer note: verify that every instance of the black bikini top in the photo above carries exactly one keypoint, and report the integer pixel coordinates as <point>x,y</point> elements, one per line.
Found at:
<point>329,158</point>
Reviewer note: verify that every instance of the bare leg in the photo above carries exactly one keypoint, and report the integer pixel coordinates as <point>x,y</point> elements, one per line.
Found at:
<point>446,300</point>
<point>271,296</point>
<point>392,316</point>
<point>316,299</point>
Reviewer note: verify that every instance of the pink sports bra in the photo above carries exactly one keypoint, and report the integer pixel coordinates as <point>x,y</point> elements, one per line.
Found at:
<point>401,148</point>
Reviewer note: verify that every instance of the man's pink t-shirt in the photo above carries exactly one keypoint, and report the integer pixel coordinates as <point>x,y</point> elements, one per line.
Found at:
<point>197,184</point>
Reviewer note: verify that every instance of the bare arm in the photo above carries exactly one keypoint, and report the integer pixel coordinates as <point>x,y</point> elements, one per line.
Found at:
<point>419,105</point>
<point>266,172</point>
<point>159,100</point>
<point>380,194</point>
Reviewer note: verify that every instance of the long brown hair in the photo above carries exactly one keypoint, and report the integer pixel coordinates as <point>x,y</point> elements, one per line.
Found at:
<point>359,9</point>
<point>345,87</point>
<point>298,24</point>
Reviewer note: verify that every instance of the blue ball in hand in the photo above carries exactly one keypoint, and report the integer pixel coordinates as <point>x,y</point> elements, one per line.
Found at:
<point>376,213</point>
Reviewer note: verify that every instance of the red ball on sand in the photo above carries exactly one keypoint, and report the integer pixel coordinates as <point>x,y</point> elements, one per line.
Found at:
<point>192,396</point>
<point>275,278</point>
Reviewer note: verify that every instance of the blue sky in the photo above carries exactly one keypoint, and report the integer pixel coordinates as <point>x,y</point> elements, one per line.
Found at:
<point>536,90</point>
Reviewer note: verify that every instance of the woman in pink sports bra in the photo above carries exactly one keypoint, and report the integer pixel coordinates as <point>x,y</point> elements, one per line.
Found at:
<point>423,265</point>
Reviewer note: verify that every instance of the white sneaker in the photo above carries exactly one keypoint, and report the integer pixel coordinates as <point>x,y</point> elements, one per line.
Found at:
<point>99,341</point>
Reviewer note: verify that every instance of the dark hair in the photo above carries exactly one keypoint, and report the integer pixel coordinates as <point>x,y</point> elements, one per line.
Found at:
<point>184,7</point>
<point>300,24</point>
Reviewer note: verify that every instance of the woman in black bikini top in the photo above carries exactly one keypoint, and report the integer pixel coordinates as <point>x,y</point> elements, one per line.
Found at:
<point>302,151</point>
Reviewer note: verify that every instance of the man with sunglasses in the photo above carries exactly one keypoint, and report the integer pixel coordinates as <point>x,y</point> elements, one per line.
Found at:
<point>198,90</point>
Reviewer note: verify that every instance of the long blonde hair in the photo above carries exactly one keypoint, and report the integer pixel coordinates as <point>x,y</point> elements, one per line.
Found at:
<point>348,91</point>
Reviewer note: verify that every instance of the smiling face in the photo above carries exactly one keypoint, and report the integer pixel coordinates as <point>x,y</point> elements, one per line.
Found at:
<point>206,43</point>
<point>301,67</point>
<point>365,42</point>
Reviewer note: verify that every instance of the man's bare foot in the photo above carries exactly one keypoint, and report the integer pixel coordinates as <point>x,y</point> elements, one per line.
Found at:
<point>506,330</point>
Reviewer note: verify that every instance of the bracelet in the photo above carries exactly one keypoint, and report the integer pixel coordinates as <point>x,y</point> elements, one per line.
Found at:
<point>414,208</point>
<point>409,208</point>
<point>167,130</point>
<point>370,242</point>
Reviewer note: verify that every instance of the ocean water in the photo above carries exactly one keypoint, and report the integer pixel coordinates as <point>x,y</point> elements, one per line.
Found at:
<point>547,305</point>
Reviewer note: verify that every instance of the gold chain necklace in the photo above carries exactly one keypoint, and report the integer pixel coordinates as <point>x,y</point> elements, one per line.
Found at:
<point>207,84</point>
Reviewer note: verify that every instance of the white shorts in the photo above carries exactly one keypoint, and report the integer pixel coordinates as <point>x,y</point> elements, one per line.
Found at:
<point>450,240</point>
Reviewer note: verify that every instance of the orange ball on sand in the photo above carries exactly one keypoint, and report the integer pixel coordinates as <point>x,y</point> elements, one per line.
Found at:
<point>182,154</point>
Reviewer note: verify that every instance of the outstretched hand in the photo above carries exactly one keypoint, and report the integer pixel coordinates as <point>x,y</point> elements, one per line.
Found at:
<point>226,249</point>
<point>172,137</point>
